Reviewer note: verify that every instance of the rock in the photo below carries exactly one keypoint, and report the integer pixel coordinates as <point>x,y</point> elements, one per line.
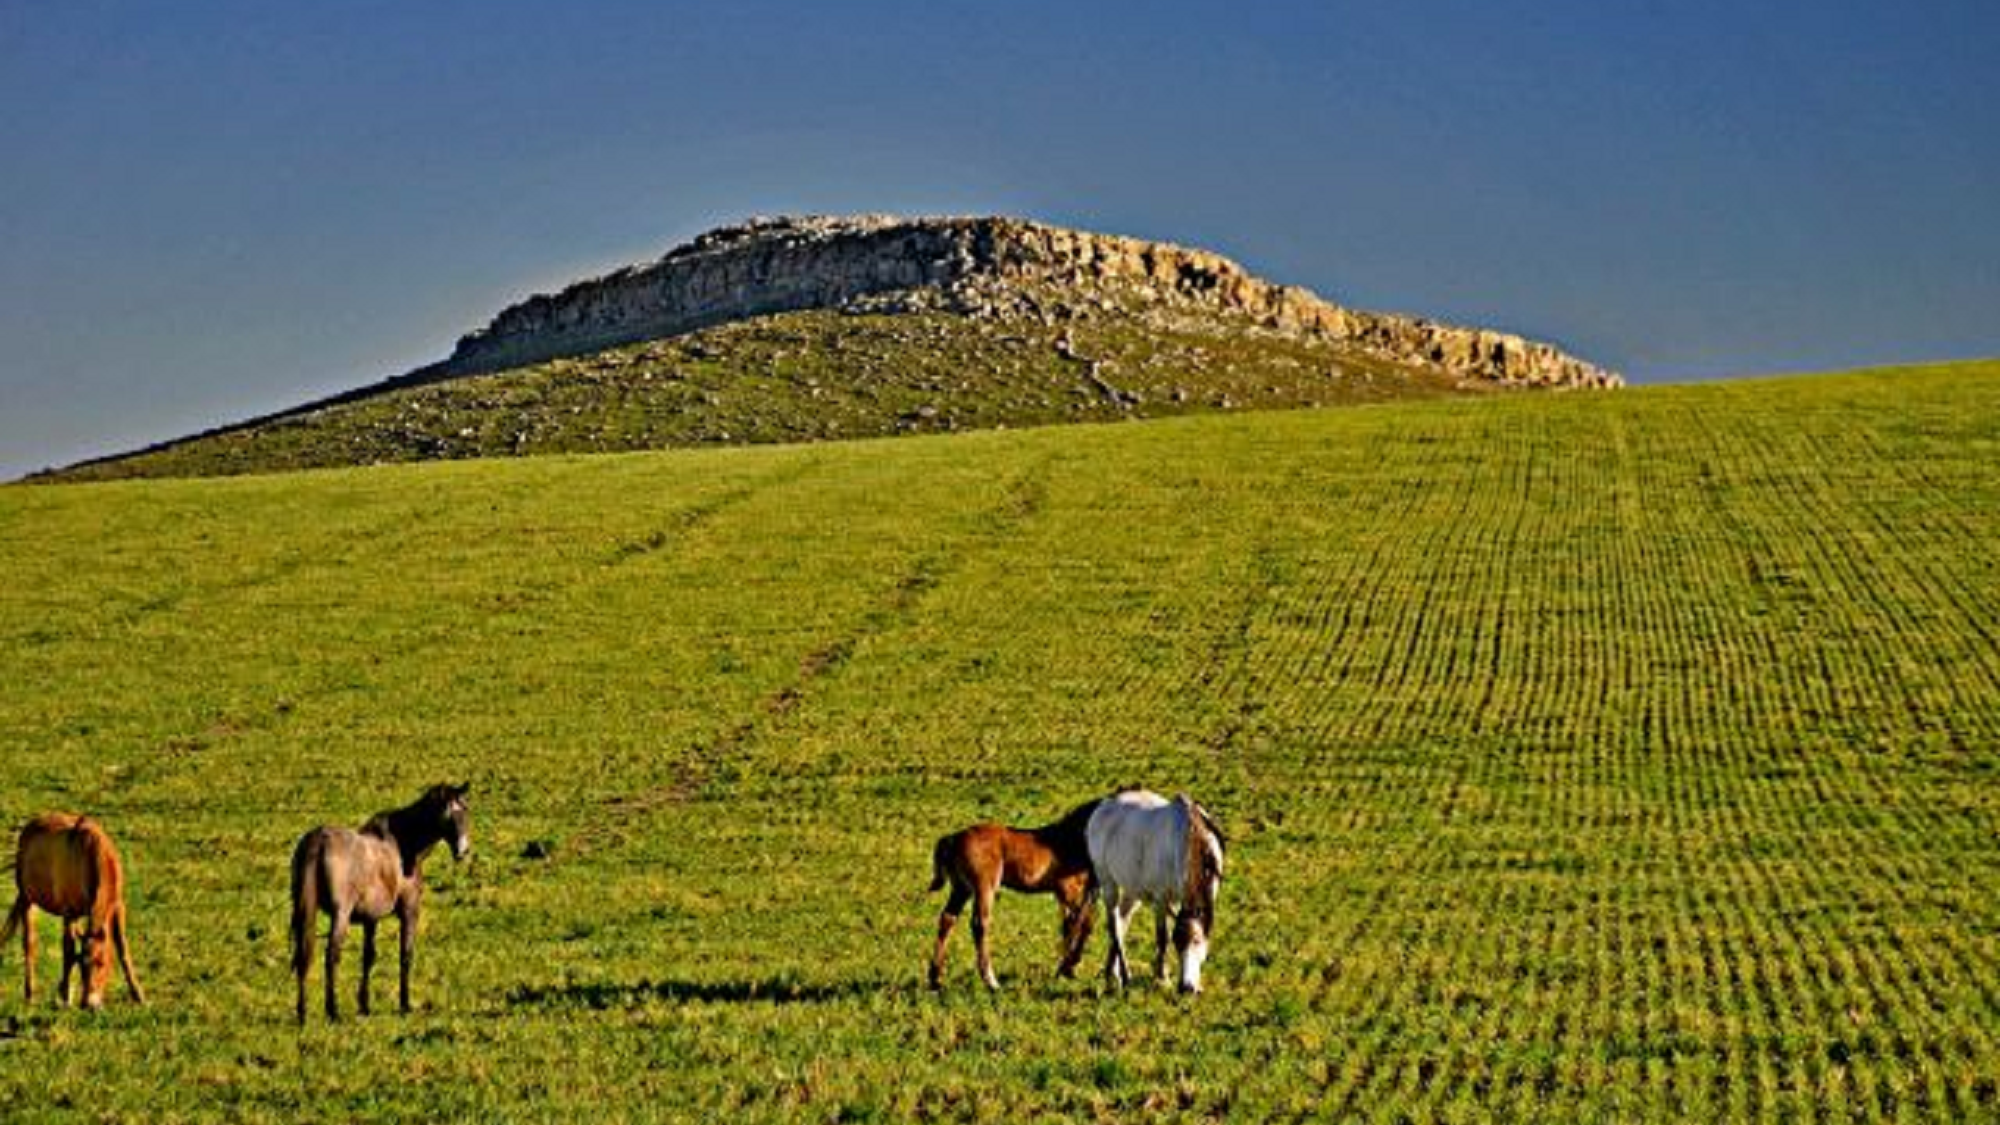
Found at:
<point>975,266</point>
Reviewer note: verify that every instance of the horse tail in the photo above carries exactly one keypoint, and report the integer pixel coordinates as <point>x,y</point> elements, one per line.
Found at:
<point>16,918</point>
<point>306,864</point>
<point>938,864</point>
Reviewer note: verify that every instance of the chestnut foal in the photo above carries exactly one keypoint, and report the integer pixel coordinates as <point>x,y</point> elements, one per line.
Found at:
<point>977,862</point>
<point>67,866</point>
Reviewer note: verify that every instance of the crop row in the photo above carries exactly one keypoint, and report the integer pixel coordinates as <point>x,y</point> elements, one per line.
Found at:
<point>1629,757</point>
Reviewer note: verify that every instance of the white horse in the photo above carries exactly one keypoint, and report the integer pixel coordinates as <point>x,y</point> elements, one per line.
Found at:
<point>1145,848</point>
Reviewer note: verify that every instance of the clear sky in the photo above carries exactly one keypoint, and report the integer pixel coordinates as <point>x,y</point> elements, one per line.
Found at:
<point>217,209</point>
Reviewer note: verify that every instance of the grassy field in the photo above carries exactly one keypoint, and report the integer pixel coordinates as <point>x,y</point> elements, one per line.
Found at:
<point>1629,757</point>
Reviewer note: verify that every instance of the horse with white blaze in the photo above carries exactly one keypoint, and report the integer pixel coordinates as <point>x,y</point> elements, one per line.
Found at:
<point>1145,848</point>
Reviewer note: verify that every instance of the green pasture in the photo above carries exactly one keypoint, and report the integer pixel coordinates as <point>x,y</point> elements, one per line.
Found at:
<point>1627,757</point>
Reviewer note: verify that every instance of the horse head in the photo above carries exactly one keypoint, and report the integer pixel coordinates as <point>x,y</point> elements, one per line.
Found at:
<point>453,822</point>
<point>97,948</point>
<point>1077,896</point>
<point>100,870</point>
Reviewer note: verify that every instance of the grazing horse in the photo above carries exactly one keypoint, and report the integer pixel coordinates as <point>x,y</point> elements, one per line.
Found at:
<point>364,876</point>
<point>980,860</point>
<point>1145,848</point>
<point>66,865</point>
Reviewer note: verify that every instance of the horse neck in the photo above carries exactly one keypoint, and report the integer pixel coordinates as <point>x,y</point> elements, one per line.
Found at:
<point>1068,838</point>
<point>412,830</point>
<point>100,862</point>
<point>1196,859</point>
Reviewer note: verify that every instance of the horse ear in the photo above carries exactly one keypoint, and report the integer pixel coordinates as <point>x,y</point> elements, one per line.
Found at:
<point>1214,829</point>
<point>465,790</point>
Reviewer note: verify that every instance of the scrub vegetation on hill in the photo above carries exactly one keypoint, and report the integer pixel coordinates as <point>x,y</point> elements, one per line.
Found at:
<point>810,376</point>
<point>1629,757</point>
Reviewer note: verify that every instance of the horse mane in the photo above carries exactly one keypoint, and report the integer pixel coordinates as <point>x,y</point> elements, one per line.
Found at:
<point>1203,865</point>
<point>383,824</point>
<point>1070,836</point>
<point>412,828</point>
<point>1209,825</point>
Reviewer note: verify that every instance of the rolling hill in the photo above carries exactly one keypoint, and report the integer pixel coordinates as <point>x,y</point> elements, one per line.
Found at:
<point>813,329</point>
<point>1621,757</point>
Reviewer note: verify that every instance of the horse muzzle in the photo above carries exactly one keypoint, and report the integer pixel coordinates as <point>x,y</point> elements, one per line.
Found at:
<point>1192,955</point>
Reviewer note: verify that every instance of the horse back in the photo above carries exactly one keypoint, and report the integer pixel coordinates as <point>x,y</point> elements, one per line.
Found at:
<point>1138,841</point>
<point>970,856</point>
<point>341,868</point>
<point>987,854</point>
<point>66,865</point>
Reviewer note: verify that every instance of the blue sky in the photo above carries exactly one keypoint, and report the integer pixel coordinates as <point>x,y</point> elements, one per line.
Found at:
<point>213,210</point>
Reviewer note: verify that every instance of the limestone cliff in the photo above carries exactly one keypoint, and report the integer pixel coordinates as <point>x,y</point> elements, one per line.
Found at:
<point>971,265</point>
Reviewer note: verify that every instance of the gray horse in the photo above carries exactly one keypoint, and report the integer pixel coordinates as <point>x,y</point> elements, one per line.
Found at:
<point>364,877</point>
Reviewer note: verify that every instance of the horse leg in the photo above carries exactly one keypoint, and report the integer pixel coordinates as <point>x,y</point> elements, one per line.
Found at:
<point>1077,912</point>
<point>95,935</point>
<point>406,937</point>
<point>70,960</point>
<point>947,918</point>
<point>23,915</point>
<point>1117,912</point>
<point>299,973</point>
<point>1159,941</point>
<point>367,965</point>
<point>336,933</point>
<point>982,921</point>
<point>125,955</point>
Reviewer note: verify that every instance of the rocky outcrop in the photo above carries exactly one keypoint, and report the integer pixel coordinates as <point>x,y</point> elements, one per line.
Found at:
<point>788,264</point>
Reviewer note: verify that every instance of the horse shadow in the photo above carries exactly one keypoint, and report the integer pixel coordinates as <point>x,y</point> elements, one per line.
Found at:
<point>777,990</point>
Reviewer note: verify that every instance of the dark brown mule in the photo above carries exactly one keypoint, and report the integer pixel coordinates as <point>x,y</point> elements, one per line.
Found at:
<point>365,876</point>
<point>66,865</point>
<point>977,862</point>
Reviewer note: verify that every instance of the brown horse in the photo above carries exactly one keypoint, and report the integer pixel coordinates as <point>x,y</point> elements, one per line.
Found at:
<point>364,876</point>
<point>980,860</point>
<point>67,866</point>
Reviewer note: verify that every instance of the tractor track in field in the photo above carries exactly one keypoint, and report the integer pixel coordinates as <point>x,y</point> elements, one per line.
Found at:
<point>1228,660</point>
<point>681,523</point>
<point>675,529</point>
<point>1023,499</point>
